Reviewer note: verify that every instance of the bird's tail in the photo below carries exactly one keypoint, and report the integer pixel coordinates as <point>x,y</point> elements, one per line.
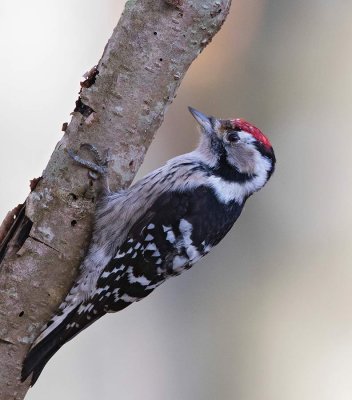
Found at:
<point>59,330</point>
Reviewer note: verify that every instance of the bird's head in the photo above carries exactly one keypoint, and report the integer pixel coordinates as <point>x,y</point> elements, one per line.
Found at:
<point>235,144</point>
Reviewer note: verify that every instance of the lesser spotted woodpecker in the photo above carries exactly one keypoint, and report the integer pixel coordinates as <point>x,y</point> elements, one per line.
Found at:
<point>159,227</point>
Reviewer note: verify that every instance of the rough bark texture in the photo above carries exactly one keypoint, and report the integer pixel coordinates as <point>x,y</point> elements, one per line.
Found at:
<point>121,105</point>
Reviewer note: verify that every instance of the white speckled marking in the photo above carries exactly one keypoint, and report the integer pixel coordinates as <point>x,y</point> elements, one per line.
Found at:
<point>142,280</point>
<point>151,246</point>
<point>149,237</point>
<point>178,263</point>
<point>170,236</point>
<point>186,231</point>
<point>166,228</point>
<point>120,255</point>
<point>128,299</point>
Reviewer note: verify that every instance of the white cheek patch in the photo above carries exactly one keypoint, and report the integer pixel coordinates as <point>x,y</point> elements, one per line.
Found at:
<point>228,191</point>
<point>246,137</point>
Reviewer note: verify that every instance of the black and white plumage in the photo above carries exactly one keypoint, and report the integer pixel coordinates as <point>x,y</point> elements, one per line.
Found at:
<point>159,227</point>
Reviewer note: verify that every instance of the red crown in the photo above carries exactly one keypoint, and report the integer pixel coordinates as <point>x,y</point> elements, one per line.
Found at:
<point>255,132</point>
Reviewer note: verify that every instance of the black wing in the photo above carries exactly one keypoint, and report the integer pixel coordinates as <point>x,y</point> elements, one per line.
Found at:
<point>178,229</point>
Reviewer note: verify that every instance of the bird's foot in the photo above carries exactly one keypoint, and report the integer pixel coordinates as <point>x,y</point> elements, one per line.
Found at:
<point>97,168</point>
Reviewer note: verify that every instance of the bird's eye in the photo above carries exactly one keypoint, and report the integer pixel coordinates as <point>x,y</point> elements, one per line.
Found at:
<point>233,137</point>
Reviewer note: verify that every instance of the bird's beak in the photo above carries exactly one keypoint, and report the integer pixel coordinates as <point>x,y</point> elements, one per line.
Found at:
<point>202,119</point>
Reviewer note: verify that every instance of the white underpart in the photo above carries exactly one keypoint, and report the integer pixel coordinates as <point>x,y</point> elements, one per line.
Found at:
<point>227,191</point>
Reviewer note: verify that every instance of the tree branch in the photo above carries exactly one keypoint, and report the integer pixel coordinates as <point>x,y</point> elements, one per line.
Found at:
<point>121,105</point>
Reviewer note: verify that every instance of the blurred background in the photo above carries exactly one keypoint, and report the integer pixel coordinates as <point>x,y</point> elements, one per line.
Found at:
<point>268,314</point>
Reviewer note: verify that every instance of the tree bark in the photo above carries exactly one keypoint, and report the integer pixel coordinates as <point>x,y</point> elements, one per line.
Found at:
<point>121,105</point>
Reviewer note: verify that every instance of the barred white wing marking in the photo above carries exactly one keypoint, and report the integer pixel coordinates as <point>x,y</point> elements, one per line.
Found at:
<point>170,236</point>
<point>116,293</point>
<point>85,308</point>
<point>186,231</point>
<point>151,246</point>
<point>179,262</point>
<point>128,299</point>
<point>142,280</point>
<point>120,255</point>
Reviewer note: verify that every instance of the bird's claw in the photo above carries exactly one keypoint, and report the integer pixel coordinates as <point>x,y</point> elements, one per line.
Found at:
<point>99,167</point>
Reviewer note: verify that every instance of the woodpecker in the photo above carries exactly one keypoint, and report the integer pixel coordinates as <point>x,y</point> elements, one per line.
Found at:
<point>158,227</point>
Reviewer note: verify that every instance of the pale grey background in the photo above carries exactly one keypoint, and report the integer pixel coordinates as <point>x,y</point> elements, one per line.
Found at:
<point>267,315</point>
